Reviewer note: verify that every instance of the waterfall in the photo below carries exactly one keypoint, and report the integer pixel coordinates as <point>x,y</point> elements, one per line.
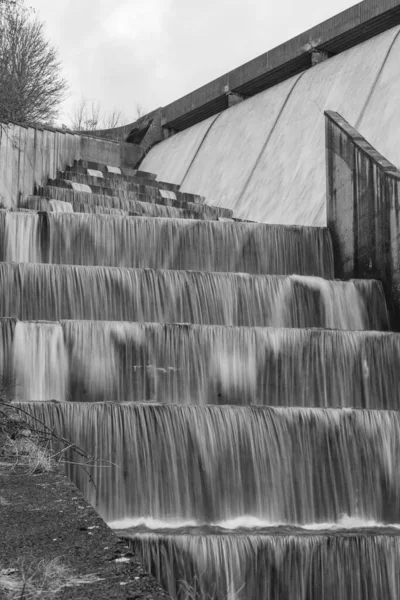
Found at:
<point>20,239</point>
<point>107,240</point>
<point>40,362</point>
<point>61,207</point>
<point>274,567</point>
<point>222,464</point>
<point>237,409</point>
<point>39,203</point>
<point>7,378</point>
<point>193,364</point>
<point>56,292</point>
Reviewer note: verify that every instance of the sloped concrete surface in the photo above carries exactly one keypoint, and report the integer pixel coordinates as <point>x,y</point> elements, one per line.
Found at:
<point>265,157</point>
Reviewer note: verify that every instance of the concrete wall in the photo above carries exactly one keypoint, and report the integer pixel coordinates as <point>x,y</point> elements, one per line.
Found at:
<point>148,127</point>
<point>265,157</point>
<point>349,28</point>
<point>341,32</point>
<point>363,206</point>
<point>29,155</point>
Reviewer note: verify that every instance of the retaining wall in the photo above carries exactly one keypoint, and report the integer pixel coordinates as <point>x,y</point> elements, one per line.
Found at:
<point>363,206</point>
<point>29,155</point>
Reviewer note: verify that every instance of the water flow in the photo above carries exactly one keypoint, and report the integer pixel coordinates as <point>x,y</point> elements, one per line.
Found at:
<point>40,362</point>
<point>241,567</point>
<point>7,378</point>
<point>61,207</point>
<point>87,239</point>
<point>55,292</point>
<point>21,237</point>
<point>192,364</point>
<point>217,464</point>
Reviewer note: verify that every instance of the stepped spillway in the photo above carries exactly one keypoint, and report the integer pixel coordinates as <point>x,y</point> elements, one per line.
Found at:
<point>349,567</point>
<point>213,369</point>
<point>212,465</point>
<point>94,361</point>
<point>86,239</point>
<point>54,292</point>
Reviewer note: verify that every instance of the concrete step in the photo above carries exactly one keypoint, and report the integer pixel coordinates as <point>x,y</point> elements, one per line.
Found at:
<point>126,171</point>
<point>180,244</point>
<point>138,204</point>
<point>137,177</point>
<point>34,291</point>
<point>41,204</point>
<point>209,364</point>
<point>110,186</point>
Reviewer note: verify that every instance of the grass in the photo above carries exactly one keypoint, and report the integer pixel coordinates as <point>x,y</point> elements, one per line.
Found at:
<point>18,441</point>
<point>31,580</point>
<point>27,441</point>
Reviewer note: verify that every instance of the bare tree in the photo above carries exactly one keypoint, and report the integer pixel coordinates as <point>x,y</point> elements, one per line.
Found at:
<point>114,118</point>
<point>140,111</point>
<point>88,116</point>
<point>31,86</point>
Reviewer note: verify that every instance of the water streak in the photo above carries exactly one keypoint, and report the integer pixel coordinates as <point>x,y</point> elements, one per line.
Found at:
<point>211,464</point>
<point>20,237</point>
<point>40,361</point>
<point>56,292</point>
<point>347,567</point>
<point>88,239</point>
<point>39,203</point>
<point>192,364</point>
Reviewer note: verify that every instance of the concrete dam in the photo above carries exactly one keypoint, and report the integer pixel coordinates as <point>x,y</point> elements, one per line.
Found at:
<point>214,317</point>
<point>265,157</point>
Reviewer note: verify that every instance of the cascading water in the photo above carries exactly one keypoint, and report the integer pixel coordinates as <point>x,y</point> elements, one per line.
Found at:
<point>55,292</point>
<point>274,567</point>
<point>199,465</point>
<point>39,350</point>
<point>185,356</point>
<point>194,364</point>
<point>87,239</point>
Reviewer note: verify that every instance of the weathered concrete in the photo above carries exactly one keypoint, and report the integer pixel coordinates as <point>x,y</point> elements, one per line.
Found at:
<point>343,31</point>
<point>335,35</point>
<point>45,517</point>
<point>264,158</point>
<point>363,202</point>
<point>29,155</point>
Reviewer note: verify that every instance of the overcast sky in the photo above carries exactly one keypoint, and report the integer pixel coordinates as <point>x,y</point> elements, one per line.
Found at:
<point>151,52</point>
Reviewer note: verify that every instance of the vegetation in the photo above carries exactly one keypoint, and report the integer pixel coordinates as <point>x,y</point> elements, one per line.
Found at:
<point>31,85</point>
<point>32,580</point>
<point>89,116</point>
<point>28,442</point>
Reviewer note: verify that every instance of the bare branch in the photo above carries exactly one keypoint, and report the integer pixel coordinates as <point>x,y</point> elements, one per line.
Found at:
<point>90,117</point>
<point>31,86</point>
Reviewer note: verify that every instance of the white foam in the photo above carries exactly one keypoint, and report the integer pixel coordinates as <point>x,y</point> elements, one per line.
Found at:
<point>95,173</point>
<point>168,194</point>
<point>115,170</point>
<point>151,523</point>
<point>346,522</point>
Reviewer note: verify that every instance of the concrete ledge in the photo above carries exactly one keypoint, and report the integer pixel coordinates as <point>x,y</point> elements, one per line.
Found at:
<point>363,209</point>
<point>46,517</point>
<point>345,30</point>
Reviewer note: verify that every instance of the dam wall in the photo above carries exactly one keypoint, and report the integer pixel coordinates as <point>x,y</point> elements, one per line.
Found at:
<point>363,202</point>
<point>30,155</point>
<point>265,157</point>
